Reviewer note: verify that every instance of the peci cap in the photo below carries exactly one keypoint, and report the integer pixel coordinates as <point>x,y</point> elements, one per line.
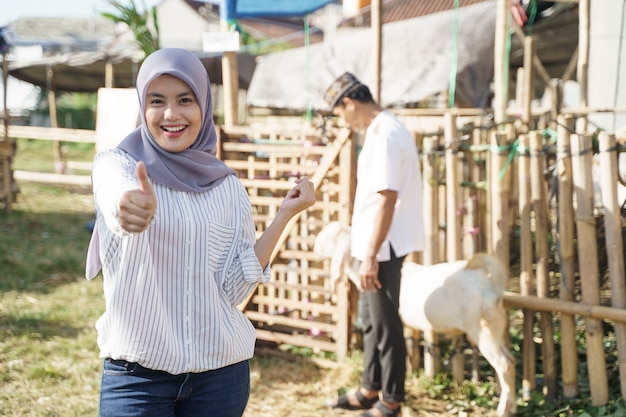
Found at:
<point>340,88</point>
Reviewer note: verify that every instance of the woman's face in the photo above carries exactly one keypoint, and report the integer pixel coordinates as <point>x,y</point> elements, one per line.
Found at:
<point>172,113</point>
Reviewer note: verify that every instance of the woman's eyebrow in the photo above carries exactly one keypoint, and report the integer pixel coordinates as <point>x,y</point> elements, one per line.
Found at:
<point>157,94</point>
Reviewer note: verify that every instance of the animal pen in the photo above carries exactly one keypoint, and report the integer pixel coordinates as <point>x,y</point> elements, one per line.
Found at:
<point>516,182</point>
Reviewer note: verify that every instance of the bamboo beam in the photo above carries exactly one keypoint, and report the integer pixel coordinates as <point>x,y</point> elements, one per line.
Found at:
<point>565,236</point>
<point>499,188</point>
<point>554,305</point>
<point>377,44</point>
<point>453,220</point>
<point>542,254</point>
<point>588,264</point>
<point>500,83</point>
<point>526,278</point>
<point>614,244</point>
<point>430,178</point>
<point>541,70</point>
<point>582,72</point>
<point>530,50</point>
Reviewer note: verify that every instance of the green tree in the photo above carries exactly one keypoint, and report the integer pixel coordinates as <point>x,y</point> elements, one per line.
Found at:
<point>137,21</point>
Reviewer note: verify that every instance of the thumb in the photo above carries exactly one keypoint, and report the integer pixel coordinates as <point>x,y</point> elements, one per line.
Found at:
<point>142,177</point>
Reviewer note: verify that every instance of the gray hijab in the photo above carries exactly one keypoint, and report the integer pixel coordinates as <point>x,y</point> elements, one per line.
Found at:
<point>196,168</point>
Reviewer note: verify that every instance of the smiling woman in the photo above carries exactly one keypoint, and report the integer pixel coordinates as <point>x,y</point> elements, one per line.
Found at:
<point>176,242</point>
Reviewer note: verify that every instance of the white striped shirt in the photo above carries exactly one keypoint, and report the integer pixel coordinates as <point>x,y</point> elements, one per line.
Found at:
<point>172,291</point>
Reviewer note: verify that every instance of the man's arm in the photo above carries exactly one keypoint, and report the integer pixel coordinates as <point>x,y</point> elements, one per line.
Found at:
<point>368,271</point>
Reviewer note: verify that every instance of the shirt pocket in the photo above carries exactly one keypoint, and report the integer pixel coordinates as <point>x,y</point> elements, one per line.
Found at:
<point>221,240</point>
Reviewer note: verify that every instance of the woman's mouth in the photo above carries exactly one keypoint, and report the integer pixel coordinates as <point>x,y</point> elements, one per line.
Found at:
<point>173,129</point>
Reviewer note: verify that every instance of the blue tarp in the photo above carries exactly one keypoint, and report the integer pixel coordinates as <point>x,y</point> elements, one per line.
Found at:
<point>276,8</point>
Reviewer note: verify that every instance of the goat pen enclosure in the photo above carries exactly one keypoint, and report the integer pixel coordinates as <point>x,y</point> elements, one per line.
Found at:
<point>296,307</point>
<point>527,196</point>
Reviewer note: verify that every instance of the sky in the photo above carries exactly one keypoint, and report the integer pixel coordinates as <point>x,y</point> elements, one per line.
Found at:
<point>14,9</point>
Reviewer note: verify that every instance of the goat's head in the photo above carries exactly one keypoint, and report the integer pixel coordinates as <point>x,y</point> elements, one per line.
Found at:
<point>333,242</point>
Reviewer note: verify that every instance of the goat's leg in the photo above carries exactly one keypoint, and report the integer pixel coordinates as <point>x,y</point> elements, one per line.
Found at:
<point>500,358</point>
<point>458,360</point>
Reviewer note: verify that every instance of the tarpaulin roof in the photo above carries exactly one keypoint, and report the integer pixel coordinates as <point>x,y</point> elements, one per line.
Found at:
<point>417,55</point>
<point>85,71</point>
<point>278,8</point>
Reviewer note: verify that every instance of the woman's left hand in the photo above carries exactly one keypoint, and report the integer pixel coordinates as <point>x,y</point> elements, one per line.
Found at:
<point>300,197</point>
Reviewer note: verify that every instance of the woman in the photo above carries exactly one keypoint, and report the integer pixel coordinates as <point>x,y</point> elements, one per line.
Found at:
<point>176,243</point>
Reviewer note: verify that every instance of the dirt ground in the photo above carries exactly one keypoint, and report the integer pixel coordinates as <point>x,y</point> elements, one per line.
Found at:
<point>284,386</point>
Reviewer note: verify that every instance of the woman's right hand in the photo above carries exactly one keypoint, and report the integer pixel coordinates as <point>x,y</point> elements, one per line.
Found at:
<point>137,207</point>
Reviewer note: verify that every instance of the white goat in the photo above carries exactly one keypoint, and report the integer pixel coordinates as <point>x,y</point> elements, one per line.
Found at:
<point>451,298</point>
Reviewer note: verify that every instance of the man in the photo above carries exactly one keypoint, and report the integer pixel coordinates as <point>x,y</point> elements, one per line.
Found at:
<point>387,225</point>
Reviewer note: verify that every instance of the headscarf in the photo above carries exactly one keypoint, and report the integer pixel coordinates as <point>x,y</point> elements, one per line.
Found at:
<point>196,168</point>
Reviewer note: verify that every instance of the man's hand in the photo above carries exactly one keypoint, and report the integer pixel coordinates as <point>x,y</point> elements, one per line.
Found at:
<point>368,275</point>
<point>138,206</point>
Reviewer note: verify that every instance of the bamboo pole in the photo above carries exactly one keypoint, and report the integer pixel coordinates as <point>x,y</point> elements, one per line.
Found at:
<point>555,305</point>
<point>582,72</point>
<point>614,244</point>
<point>588,263</point>
<point>479,174</point>
<point>542,254</point>
<point>538,66</point>
<point>431,206</point>
<point>453,223</point>
<point>565,241</point>
<point>530,51</point>
<point>453,220</point>
<point>500,83</point>
<point>499,183</point>
<point>431,210</point>
<point>526,277</point>
<point>529,381</point>
<point>377,42</point>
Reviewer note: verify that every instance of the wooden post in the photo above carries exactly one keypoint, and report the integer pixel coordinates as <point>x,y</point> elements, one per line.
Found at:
<point>431,209</point>
<point>542,254</point>
<point>527,92</point>
<point>230,70</point>
<point>501,83</point>
<point>565,233</point>
<point>108,74</point>
<point>529,381</point>
<point>499,187</point>
<point>526,277</point>
<point>479,173</point>
<point>453,219</point>
<point>614,244</point>
<point>5,160</point>
<point>59,163</point>
<point>588,265</point>
<point>377,42</point>
<point>582,72</point>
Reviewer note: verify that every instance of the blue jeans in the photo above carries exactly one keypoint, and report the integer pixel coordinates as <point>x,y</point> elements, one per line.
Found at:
<point>130,390</point>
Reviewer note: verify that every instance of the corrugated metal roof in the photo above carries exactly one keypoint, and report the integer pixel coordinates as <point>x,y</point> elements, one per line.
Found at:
<point>395,10</point>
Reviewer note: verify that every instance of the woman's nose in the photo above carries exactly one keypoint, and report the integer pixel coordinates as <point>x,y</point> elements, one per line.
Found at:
<point>171,113</point>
